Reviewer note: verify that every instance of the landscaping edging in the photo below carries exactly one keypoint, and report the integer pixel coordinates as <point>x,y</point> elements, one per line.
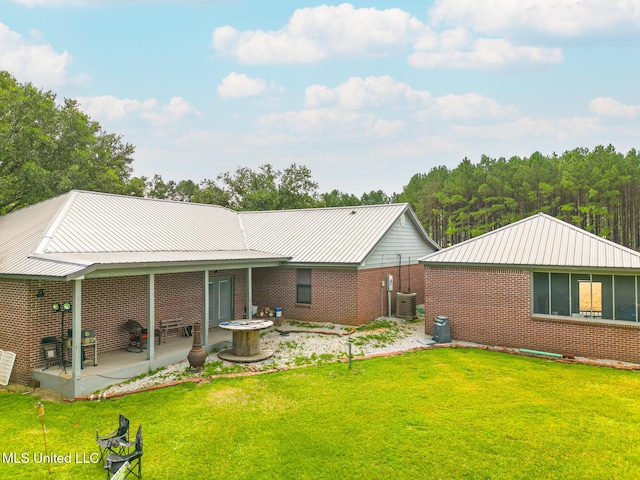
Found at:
<point>512,351</point>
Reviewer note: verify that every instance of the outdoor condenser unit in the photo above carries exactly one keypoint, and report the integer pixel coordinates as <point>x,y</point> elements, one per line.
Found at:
<point>406,305</point>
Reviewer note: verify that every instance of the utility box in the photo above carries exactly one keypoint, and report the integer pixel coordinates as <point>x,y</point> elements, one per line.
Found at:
<point>441,330</point>
<point>406,305</point>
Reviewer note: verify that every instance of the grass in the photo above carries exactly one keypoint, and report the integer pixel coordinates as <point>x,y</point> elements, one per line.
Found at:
<point>442,413</point>
<point>311,325</point>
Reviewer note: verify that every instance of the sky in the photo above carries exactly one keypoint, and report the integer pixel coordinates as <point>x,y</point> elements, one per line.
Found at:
<point>365,94</point>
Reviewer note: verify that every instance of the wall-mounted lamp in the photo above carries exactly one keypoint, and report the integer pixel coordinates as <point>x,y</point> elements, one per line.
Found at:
<point>40,293</point>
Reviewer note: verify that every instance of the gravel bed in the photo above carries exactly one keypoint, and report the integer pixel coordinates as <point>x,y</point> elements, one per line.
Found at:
<point>318,343</point>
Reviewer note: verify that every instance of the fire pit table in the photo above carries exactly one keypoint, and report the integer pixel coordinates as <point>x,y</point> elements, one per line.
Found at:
<point>246,341</point>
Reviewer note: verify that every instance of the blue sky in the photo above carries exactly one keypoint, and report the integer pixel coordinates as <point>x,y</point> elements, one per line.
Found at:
<point>365,94</point>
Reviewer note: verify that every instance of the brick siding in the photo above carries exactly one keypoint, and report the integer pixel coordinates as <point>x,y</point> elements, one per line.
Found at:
<point>492,307</point>
<point>342,296</point>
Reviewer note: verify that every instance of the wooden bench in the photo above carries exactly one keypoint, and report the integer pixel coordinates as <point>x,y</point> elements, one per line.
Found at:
<point>173,324</point>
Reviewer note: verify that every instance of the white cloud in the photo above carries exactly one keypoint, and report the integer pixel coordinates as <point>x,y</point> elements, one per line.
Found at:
<point>171,113</point>
<point>97,3</point>
<point>35,63</point>
<point>239,85</point>
<point>316,34</point>
<point>341,124</point>
<point>112,108</point>
<point>608,107</point>
<point>558,18</point>
<point>469,106</point>
<point>313,34</point>
<point>387,128</point>
<point>357,93</point>
<point>525,128</point>
<point>480,54</point>
<point>317,120</point>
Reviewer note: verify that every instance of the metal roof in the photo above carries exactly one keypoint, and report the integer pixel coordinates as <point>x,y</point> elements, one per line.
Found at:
<point>538,241</point>
<point>63,236</point>
<point>323,235</point>
<point>20,233</point>
<point>93,222</point>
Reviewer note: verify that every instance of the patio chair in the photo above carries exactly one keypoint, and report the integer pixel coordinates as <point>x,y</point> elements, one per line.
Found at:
<point>116,441</point>
<point>137,336</point>
<point>130,462</point>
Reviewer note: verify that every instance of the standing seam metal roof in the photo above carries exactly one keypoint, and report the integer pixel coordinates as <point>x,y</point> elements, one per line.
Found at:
<point>540,240</point>
<point>323,235</point>
<point>64,235</point>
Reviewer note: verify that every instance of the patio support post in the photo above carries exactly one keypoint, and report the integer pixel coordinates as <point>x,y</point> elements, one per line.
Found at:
<point>76,325</point>
<point>205,313</point>
<point>249,294</point>
<point>151,318</point>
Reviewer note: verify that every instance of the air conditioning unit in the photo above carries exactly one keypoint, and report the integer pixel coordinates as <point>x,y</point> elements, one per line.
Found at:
<point>406,305</point>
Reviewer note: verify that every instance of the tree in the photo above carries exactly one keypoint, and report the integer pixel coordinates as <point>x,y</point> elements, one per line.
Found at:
<point>374,197</point>
<point>296,188</point>
<point>47,149</point>
<point>336,198</point>
<point>269,189</point>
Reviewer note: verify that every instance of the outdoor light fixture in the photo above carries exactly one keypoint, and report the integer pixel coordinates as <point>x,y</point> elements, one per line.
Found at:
<point>64,308</point>
<point>40,293</point>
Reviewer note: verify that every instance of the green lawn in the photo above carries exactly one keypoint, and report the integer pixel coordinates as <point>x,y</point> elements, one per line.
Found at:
<point>442,413</point>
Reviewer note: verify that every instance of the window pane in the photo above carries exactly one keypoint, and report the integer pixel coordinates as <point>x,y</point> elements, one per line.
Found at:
<point>625,300</point>
<point>607,294</point>
<point>303,289</point>
<point>304,276</point>
<point>304,294</point>
<point>541,293</point>
<point>560,294</point>
<point>576,281</point>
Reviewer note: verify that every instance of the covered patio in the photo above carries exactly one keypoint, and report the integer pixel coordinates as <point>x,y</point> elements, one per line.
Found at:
<point>121,365</point>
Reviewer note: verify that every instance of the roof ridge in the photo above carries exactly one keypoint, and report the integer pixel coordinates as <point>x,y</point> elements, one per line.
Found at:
<point>315,209</point>
<point>56,221</point>
<point>591,234</point>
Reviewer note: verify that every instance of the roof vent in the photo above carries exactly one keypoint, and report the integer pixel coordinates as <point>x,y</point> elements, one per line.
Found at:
<point>353,212</point>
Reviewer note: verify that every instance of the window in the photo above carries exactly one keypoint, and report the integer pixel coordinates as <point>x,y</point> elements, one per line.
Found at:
<point>303,287</point>
<point>625,300</point>
<point>590,298</point>
<point>583,295</point>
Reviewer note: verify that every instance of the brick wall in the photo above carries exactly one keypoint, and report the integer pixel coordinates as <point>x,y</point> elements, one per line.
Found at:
<point>492,307</point>
<point>333,294</point>
<point>346,297</point>
<point>25,319</point>
<point>372,297</point>
<point>107,303</point>
<point>178,295</point>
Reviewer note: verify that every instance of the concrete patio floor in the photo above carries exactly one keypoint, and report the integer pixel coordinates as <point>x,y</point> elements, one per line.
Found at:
<point>121,365</point>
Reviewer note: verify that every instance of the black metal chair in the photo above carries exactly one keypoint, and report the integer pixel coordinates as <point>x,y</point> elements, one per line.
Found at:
<point>116,441</point>
<point>129,462</point>
<point>137,335</point>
